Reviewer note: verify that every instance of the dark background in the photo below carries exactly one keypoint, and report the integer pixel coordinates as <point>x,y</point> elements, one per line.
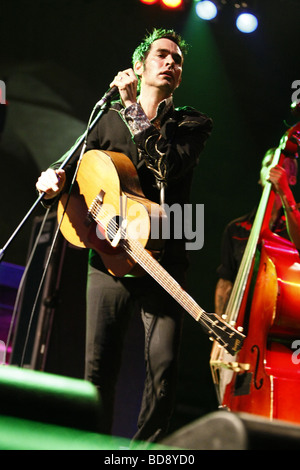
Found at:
<point>58,58</point>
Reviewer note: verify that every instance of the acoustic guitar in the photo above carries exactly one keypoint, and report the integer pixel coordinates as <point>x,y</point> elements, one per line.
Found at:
<point>107,211</point>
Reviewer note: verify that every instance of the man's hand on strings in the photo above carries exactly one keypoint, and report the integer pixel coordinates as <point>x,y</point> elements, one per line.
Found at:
<point>279,179</point>
<point>51,183</point>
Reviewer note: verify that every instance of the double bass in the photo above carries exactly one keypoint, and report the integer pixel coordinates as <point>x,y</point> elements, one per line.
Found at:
<point>263,378</point>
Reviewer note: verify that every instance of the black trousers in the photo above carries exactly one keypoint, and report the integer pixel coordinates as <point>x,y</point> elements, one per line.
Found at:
<point>110,303</point>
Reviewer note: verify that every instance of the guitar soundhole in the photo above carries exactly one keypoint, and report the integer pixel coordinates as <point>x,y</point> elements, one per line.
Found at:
<point>113,227</point>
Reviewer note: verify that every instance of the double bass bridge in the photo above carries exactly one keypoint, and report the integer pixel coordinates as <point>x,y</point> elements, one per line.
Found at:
<point>230,365</point>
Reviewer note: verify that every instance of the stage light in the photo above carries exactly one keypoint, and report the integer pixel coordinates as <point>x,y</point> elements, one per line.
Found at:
<point>172,3</point>
<point>149,2</point>
<point>206,10</point>
<point>246,23</point>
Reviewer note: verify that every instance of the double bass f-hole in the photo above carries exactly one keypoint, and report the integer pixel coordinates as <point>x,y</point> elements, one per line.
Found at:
<point>257,385</point>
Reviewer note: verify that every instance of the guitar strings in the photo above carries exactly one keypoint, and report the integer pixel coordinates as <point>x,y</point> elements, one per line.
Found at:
<point>144,259</point>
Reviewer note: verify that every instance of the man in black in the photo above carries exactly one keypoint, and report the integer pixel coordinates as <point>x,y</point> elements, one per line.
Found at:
<point>164,144</point>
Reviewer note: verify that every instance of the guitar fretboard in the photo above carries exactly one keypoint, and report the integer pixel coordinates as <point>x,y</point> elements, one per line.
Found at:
<point>152,267</point>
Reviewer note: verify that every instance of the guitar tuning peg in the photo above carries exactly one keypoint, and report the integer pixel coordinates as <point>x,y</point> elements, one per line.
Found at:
<point>240,328</point>
<point>211,339</point>
<point>224,316</point>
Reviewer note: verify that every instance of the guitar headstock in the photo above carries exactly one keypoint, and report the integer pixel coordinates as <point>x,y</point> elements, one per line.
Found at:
<point>227,336</point>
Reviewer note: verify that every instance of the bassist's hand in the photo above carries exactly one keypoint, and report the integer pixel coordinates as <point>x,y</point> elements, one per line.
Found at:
<point>279,179</point>
<point>51,183</point>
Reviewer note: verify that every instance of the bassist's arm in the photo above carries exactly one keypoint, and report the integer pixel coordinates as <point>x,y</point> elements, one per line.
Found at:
<point>278,177</point>
<point>222,294</point>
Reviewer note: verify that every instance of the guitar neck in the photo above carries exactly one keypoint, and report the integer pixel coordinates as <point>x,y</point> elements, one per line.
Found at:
<point>152,267</point>
<point>212,325</point>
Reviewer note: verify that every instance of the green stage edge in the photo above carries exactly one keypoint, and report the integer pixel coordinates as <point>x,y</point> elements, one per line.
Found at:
<point>42,411</point>
<point>18,434</point>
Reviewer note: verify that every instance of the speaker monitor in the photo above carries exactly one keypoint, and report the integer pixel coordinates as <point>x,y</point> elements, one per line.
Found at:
<point>49,398</point>
<point>224,430</point>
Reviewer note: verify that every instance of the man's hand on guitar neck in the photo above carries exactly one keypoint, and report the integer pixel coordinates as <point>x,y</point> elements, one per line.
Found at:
<point>51,183</point>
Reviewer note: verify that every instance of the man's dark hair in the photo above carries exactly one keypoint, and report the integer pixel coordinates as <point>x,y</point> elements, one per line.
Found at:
<point>141,52</point>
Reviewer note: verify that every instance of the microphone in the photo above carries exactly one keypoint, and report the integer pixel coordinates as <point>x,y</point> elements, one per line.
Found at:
<point>108,96</point>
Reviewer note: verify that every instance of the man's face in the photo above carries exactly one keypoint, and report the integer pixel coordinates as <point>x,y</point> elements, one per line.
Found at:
<point>162,67</point>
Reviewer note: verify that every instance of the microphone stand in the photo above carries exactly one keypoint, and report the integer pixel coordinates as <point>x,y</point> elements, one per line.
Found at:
<point>105,100</point>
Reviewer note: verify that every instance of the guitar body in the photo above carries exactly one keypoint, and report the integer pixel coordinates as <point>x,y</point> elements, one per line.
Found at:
<point>107,211</point>
<point>110,179</point>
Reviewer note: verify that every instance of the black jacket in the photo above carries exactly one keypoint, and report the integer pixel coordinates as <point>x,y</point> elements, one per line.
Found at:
<point>169,154</point>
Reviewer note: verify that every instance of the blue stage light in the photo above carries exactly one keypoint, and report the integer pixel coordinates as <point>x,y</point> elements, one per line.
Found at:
<point>206,10</point>
<point>246,23</point>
